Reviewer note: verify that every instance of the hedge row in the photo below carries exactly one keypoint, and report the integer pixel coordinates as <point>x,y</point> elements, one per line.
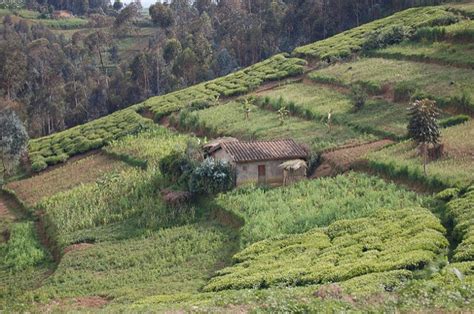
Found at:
<point>406,239</point>
<point>352,41</point>
<point>237,83</point>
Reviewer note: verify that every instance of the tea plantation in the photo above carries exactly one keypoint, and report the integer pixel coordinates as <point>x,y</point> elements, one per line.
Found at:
<point>92,226</point>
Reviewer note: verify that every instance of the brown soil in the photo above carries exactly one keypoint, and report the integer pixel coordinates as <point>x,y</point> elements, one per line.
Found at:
<point>65,305</point>
<point>341,160</point>
<point>71,174</point>
<point>77,247</point>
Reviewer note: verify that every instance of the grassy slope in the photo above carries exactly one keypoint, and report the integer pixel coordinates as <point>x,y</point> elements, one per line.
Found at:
<point>229,119</point>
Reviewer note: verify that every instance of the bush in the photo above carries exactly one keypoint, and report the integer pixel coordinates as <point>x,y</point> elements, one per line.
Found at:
<point>212,177</point>
<point>463,102</point>
<point>177,168</point>
<point>358,97</point>
<point>452,121</point>
<point>23,250</point>
<point>385,37</point>
<point>38,165</point>
<point>429,34</point>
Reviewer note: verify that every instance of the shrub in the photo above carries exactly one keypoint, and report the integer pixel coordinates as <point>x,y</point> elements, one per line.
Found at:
<point>463,102</point>
<point>212,177</point>
<point>38,165</point>
<point>177,168</point>
<point>23,250</point>
<point>429,34</point>
<point>358,96</point>
<point>382,38</point>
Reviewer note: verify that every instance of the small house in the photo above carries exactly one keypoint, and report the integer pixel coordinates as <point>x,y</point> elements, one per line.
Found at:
<point>279,162</point>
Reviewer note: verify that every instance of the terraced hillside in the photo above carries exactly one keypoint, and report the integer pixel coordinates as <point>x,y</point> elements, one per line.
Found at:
<point>93,230</point>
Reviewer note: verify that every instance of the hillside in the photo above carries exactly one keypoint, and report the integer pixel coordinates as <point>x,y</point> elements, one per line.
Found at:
<point>91,227</point>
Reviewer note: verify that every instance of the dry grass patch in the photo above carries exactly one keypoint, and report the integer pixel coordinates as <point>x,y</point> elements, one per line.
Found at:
<point>32,190</point>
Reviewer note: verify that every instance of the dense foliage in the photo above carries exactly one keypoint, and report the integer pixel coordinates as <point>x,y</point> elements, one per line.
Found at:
<point>387,240</point>
<point>298,208</point>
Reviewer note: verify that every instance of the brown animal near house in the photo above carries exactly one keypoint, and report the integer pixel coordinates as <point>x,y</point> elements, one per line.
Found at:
<point>62,14</point>
<point>274,163</point>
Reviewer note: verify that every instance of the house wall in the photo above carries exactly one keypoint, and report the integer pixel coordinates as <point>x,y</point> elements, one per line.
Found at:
<point>248,172</point>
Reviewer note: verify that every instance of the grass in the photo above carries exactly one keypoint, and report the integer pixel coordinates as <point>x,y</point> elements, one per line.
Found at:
<point>378,117</point>
<point>167,261</point>
<point>443,83</point>
<point>438,52</point>
<point>64,178</point>
<point>388,240</point>
<point>299,208</point>
<point>456,169</point>
<point>351,41</point>
<point>147,148</point>
<point>229,120</point>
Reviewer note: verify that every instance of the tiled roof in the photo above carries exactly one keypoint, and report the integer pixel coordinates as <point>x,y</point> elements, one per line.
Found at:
<point>264,150</point>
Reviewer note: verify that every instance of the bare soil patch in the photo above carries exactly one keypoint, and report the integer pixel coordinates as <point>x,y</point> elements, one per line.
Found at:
<point>341,160</point>
<point>78,303</point>
<point>70,175</point>
<point>77,247</point>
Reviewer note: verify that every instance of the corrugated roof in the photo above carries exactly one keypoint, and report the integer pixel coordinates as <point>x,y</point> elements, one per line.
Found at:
<point>264,150</point>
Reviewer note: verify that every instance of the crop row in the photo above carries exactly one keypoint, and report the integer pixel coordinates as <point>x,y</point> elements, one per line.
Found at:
<point>240,82</point>
<point>352,41</point>
<point>386,241</point>
<point>460,210</point>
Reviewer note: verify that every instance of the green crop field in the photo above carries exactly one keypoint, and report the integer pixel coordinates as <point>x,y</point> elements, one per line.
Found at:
<point>351,41</point>
<point>297,208</point>
<point>432,80</point>
<point>455,169</point>
<point>315,102</point>
<point>229,120</point>
<point>100,234</point>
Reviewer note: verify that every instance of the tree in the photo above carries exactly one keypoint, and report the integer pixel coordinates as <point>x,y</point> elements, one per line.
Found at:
<point>161,15</point>
<point>118,5</point>
<point>423,125</point>
<point>13,140</point>
<point>171,50</point>
<point>13,63</point>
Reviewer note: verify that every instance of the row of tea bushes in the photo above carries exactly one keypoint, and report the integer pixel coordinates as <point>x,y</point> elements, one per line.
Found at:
<point>59,147</point>
<point>406,239</point>
<point>275,68</point>
<point>460,210</point>
<point>352,41</point>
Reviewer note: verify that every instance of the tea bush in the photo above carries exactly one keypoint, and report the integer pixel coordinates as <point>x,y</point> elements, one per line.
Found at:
<point>352,41</point>
<point>460,210</point>
<point>387,240</point>
<point>298,208</point>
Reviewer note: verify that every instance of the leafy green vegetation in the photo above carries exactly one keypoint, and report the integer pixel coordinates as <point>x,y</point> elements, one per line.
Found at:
<point>378,117</point>
<point>352,41</point>
<point>440,52</point>
<point>462,215</point>
<point>388,240</point>
<point>167,261</point>
<point>455,169</point>
<point>60,146</point>
<point>444,83</point>
<point>310,204</point>
<point>230,120</point>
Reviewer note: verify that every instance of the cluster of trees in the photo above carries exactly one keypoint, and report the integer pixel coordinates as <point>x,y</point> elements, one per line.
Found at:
<point>54,83</point>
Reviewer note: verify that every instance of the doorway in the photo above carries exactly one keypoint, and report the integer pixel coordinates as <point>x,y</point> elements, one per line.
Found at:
<point>262,174</point>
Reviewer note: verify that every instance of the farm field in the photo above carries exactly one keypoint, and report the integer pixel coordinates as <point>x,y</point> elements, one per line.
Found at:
<point>316,101</point>
<point>455,169</point>
<point>64,178</point>
<point>297,209</point>
<point>94,231</point>
<point>441,52</point>
<point>229,120</point>
<point>430,79</point>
